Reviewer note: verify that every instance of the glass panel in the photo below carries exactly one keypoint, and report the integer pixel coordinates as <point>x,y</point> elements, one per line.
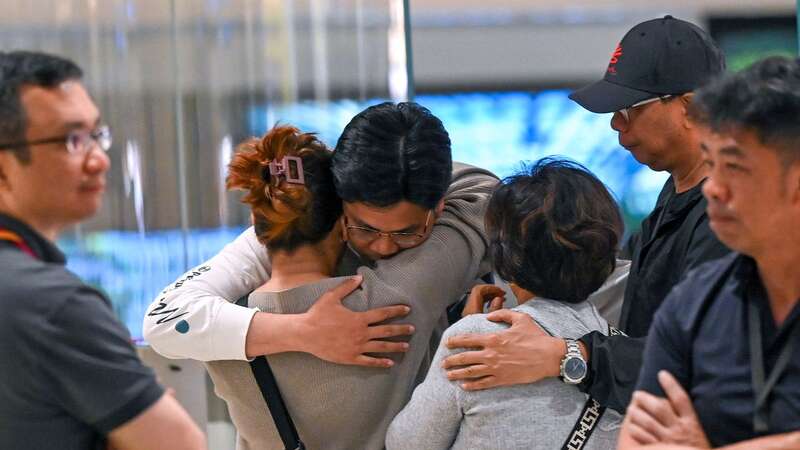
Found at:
<point>181,82</point>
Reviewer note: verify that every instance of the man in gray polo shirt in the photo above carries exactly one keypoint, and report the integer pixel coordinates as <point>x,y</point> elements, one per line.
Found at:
<point>69,377</point>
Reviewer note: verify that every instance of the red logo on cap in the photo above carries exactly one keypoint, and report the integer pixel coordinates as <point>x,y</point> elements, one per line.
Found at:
<point>614,59</point>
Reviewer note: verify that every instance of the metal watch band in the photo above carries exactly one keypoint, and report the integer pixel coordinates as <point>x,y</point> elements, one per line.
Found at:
<point>573,352</point>
<point>572,348</point>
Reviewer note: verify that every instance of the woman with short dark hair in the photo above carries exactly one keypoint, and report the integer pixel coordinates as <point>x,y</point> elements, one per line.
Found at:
<point>554,232</point>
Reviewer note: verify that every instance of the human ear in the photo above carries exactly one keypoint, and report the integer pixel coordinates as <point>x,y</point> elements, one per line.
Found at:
<point>439,208</point>
<point>686,103</point>
<point>342,228</point>
<point>793,183</point>
<point>4,163</point>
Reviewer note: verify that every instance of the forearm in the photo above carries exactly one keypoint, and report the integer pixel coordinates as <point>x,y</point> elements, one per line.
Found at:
<point>614,364</point>
<point>626,442</point>
<point>657,447</point>
<point>276,333</point>
<point>198,326</point>
<point>195,318</point>
<point>163,426</point>
<point>785,441</point>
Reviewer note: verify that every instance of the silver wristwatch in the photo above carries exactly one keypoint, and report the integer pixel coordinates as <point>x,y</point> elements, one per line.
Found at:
<point>573,366</point>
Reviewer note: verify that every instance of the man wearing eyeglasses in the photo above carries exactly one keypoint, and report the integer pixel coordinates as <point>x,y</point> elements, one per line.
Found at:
<point>392,168</point>
<point>69,376</point>
<point>648,87</point>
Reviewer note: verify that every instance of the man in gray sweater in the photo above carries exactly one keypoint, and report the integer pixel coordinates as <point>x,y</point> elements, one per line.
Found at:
<point>392,168</point>
<point>337,406</point>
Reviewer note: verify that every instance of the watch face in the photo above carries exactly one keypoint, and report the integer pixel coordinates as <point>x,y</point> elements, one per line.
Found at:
<point>574,368</point>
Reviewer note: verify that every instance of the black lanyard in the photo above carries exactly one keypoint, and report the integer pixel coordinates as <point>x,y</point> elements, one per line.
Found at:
<point>761,387</point>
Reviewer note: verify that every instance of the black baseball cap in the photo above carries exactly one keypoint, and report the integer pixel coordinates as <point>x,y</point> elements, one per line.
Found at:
<point>666,56</point>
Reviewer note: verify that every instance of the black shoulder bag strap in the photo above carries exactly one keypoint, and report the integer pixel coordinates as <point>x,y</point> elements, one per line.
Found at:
<point>277,408</point>
<point>272,396</point>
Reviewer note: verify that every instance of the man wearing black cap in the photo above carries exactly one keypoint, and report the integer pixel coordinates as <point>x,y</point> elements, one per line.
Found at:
<point>648,86</point>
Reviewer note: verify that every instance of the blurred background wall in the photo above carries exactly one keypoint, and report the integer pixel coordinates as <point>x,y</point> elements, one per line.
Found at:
<point>476,45</point>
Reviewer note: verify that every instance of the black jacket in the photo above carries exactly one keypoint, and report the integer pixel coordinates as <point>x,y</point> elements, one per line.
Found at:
<point>674,239</point>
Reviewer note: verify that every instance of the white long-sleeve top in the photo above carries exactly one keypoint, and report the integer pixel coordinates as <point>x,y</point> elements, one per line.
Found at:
<point>193,318</point>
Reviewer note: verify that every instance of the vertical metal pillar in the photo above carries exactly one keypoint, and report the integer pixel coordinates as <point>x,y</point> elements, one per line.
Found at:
<point>797,18</point>
<point>409,50</point>
<point>180,147</point>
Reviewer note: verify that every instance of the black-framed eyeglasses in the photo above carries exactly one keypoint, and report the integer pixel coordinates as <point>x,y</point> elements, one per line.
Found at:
<point>77,142</point>
<point>400,238</point>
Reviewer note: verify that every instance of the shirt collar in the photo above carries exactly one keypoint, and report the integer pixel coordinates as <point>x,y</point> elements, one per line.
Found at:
<point>42,248</point>
<point>685,200</point>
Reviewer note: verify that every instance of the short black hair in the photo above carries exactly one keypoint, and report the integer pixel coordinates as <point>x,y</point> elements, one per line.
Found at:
<point>23,68</point>
<point>554,230</point>
<point>393,152</point>
<point>764,98</point>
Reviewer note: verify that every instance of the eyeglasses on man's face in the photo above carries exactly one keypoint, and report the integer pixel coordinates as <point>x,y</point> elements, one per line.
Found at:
<point>77,142</point>
<point>626,112</point>
<point>402,239</point>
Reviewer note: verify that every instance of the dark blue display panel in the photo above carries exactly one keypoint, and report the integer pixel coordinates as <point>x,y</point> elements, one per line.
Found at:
<point>133,268</point>
<point>498,131</point>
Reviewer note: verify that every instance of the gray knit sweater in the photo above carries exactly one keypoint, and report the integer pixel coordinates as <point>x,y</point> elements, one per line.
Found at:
<point>539,415</point>
<point>348,407</point>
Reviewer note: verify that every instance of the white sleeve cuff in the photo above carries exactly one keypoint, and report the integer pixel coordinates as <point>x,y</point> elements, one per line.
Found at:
<point>233,321</point>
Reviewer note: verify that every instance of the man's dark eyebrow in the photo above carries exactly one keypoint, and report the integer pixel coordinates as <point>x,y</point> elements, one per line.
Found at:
<point>732,150</point>
<point>703,147</point>
<point>76,125</point>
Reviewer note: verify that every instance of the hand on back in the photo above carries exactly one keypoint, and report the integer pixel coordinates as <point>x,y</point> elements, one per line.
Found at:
<point>524,353</point>
<point>339,335</point>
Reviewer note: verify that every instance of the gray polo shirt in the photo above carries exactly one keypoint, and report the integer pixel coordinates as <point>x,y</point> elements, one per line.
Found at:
<point>68,372</point>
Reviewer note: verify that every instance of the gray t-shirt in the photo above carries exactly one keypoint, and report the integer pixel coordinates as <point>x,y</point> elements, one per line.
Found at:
<point>539,415</point>
<point>68,372</point>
